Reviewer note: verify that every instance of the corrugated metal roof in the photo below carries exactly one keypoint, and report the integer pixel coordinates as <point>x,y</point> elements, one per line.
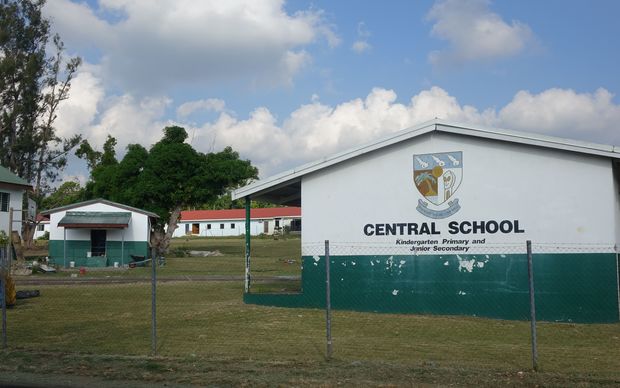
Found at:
<point>95,220</point>
<point>239,214</point>
<point>99,200</point>
<point>7,176</point>
<point>279,188</point>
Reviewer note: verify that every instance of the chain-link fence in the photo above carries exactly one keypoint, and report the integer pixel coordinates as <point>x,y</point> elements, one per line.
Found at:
<point>455,303</point>
<point>435,302</point>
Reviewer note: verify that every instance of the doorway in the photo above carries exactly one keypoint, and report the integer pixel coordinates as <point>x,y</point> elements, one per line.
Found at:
<point>98,242</point>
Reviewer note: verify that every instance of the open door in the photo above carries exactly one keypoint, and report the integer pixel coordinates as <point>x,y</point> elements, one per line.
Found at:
<point>98,242</point>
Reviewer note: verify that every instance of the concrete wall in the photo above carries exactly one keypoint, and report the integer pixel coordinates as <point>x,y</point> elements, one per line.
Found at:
<point>15,202</point>
<point>557,197</point>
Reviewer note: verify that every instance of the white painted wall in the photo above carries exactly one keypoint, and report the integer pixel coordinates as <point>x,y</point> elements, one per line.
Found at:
<point>558,197</point>
<point>138,229</point>
<point>256,227</point>
<point>15,202</point>
<point>39,233</point>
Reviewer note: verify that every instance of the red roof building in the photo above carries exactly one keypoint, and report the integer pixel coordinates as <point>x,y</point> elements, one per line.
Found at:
<point>231,222</point>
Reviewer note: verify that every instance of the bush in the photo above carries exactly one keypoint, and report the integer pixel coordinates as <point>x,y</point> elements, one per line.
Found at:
<point>45,237</point>
<point>4,239</point>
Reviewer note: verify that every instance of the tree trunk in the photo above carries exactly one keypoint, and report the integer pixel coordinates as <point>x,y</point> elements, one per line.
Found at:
<point>28,230</point>
<point>161,239</point>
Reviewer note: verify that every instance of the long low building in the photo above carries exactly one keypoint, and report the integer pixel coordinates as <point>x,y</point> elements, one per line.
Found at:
<point>231,222</point>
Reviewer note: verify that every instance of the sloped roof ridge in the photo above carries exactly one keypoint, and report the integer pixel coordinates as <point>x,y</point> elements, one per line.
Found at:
<point>6,176</point>
<point>529,136</point>
<point>438,125</point>
<point>99,200</point>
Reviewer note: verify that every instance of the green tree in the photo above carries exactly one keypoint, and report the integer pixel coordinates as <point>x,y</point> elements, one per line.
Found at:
<point>225,201</point>
<point>169,177</point>
<point>32,86</point>
<point>67,193</point>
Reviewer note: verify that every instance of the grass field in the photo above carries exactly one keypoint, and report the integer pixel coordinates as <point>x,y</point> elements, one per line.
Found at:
<point>270,257</point>
<point>208,336</point>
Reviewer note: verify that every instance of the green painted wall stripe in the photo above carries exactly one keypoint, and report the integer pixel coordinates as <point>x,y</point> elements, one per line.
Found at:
<point>76,251</point>
<point>569,287</point>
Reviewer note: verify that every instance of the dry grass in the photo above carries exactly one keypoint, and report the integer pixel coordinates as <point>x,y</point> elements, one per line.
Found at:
<point>208,336</point>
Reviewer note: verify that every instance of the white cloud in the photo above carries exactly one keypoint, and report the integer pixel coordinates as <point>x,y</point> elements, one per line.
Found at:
<point>81,108</point>
<point>361,45</point>
<point>129,120</point>
<point>474,32</point>
<point>94,115</point>
<point>316,129</point>
<point>211,104</point>
<point>155,44</point>
<point>564,112</point>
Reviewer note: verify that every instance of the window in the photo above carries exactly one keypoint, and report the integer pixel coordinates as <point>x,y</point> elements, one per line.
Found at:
<point>4,202</point>
<point>232,226</point>
<point>221,226</point>
<point>40,228</point>
<point>296,225</point>
<point>208,226</point>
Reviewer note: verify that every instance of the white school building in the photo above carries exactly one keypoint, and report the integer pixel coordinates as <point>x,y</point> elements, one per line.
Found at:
<point>435,219</point>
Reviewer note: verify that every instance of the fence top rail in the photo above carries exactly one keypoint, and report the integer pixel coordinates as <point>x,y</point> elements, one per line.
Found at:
<point>439,246</point>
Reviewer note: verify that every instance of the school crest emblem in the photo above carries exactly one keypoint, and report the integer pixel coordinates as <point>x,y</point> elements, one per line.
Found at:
<point>437,178</point>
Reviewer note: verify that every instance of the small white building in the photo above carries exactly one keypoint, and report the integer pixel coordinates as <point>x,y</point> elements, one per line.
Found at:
<point>12,189</point>
<point>43,226</point>
<point>231,222</point>
<point>98,233</point>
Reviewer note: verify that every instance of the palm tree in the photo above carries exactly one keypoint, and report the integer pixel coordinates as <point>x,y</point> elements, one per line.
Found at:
<point>429,179</point>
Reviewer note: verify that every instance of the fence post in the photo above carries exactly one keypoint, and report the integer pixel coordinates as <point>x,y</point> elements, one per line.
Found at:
<point>9,244</point>
<point>3,267</point>
<point>530,275</point>
<point>328,303</point>
<point>248,231</point>
<point>153,301</point>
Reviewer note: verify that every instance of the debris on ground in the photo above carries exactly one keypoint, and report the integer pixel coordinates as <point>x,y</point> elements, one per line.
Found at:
<point>205,253</point>
<point>25,294</point>
<point>45,268</point>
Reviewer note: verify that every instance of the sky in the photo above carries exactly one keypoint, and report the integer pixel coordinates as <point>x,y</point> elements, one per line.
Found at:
<point>289,82</point>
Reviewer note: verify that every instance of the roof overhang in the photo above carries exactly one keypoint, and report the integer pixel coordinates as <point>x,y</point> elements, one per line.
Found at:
<point>285,188</point>
<point>95,220</point>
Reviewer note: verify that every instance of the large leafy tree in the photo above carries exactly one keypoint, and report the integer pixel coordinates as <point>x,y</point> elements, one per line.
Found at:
<point>169,177</point>
<point>66,194</point>
<point>33,83</point>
